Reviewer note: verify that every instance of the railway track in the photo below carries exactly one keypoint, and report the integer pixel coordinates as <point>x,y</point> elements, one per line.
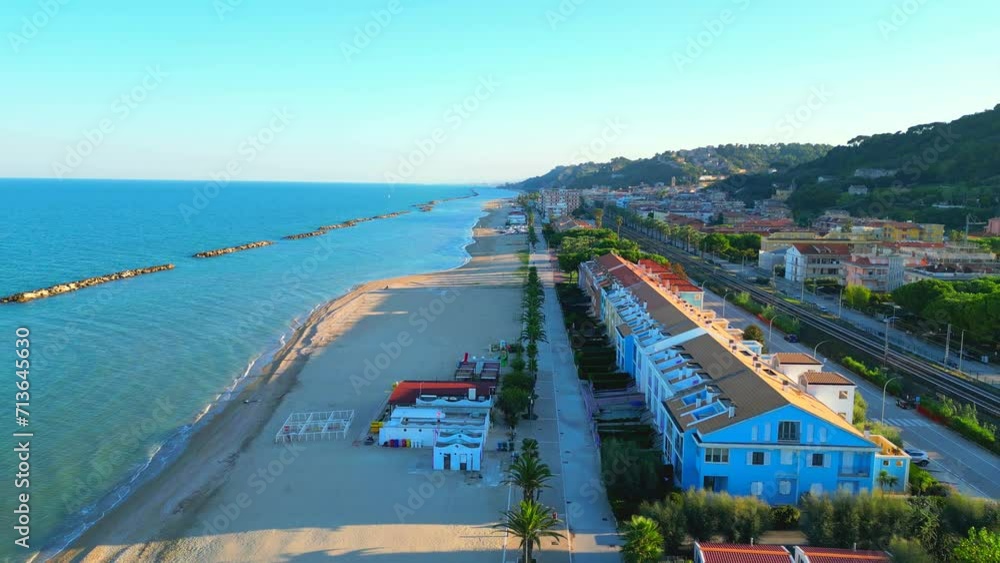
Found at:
<point>986,400</point>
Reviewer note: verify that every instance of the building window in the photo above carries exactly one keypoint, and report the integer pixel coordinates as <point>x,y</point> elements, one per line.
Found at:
<point>843,394</point>
<point>785,487</point>
<point>717,455</point>
<point>899,463</point>
<point>817,460</point>
<point>757,488</point>
<point>885,462</point>
<point>788,431</point>
<point>757,458</point>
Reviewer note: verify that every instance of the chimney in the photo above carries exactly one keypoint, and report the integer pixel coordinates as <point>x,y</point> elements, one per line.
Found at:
<point>732,411</point>
<point>784,385</point>
<point>472,393</point>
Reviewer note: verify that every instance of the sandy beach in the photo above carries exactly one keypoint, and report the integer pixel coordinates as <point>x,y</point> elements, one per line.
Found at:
<point>235,495</point>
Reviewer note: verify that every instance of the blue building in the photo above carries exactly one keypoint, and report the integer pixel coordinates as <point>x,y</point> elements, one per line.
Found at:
<point>728,418</point>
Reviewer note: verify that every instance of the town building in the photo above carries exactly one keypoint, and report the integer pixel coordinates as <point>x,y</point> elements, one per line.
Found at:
<point>811,554</point>
<point>559,202</point>
<point>880,273</point>
<point>815,261</point>
<point>729,418</point>
<point>705,552</point>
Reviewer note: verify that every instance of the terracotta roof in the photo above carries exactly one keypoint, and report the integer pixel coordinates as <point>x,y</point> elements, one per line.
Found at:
<point>824,378</point>
<point>797,358</point>
<point>832,555</point>
<point>611,261</point>
<point>742,553</point>
<point>834,249</point>
<point>625,276</point>
<point>406,392</point>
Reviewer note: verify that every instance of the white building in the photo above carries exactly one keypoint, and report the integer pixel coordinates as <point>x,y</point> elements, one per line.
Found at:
<point>832,389</point>
<point>456,433</point>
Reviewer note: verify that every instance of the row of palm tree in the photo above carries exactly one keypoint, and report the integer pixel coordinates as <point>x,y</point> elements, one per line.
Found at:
<point>683,236</point>
<point>531,521</point>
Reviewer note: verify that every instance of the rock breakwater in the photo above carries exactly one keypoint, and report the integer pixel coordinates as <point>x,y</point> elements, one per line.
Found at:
<point>59,289</point>
<point>232,249</point>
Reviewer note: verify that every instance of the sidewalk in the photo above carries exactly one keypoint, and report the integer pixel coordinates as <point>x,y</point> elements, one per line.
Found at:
<point>565,444</point>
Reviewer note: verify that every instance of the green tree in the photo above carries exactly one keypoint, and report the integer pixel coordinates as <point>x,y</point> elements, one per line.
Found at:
<point>530,475</point>
<point>598,217</point>
<point>669,514</point>
<point>513,401</point>
<point>753,332</point>
<point>698,515</point>
<point>981,546</point>
<point>857,296</point>
<point>908,551</point>
<point>752,517</point>
<point>887,481</point>
<point>643,542</point>
<point>860,409</point>
<point>619,220</point>
<point>530,523</point>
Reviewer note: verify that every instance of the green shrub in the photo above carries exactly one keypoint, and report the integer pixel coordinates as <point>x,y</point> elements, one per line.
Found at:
<point>785,517</point>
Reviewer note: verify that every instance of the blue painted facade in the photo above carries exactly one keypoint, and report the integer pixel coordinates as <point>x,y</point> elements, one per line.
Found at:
<point>795,445</point>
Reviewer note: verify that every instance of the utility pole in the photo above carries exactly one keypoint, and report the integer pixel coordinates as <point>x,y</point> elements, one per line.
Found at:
<point>961,351</point>
<point>947,344</point>
<point>840,307</point>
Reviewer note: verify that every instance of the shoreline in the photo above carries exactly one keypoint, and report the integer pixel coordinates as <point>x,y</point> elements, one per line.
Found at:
<point>228,430</point>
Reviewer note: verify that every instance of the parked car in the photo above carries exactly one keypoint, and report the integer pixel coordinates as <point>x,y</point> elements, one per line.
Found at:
<point>918,457</point>
<point>792,338</point>
<point>905,404</point>
<point>824,309</point>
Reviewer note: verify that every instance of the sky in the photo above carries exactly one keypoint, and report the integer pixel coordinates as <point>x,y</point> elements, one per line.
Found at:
<point>475,91</point>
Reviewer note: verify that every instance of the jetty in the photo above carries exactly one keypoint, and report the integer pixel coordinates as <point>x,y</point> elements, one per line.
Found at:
<point>232,249</point>
<point>429,206</point>
<point>344,225</point>
<point>26,296</point>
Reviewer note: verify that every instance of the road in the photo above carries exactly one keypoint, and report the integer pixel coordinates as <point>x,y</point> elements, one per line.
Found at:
<point>953,458</point>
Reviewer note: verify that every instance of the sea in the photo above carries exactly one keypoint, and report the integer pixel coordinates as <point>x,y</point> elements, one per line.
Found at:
<point>121,374</point>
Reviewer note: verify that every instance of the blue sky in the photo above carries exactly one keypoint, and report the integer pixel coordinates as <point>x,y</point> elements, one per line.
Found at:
<point>465,91</point>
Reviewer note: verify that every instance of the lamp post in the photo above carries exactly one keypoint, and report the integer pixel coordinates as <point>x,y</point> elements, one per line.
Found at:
<point>961,350</point>
<point>816,348</point>
<point>840,306</point>
<point>770,328</point>
<point>724,304</point>
<point>884,388</point>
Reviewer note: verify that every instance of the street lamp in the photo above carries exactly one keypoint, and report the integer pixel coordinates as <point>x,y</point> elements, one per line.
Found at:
<point>724,304</point>
<point>961,350</point>
<point>816,348</point>
<point>884,387</point>
<point>770,328</point>
<point>840,306</point>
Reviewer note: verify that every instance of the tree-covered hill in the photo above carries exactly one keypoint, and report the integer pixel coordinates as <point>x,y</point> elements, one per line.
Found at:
<point>935,172</point>
<point>684,165</point>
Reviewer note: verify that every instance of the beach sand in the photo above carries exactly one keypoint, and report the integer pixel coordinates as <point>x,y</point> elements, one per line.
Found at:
<point>235,495</point>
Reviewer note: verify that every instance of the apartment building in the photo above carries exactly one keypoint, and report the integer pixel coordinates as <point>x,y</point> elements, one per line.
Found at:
<point>804,261</point>
<point>559,202</point>
<point>726,419</point>
<point>877,273</point>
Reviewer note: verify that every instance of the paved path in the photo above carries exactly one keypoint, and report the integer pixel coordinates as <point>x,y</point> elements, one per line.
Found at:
<point>565,443</point>
<point>953,458</point>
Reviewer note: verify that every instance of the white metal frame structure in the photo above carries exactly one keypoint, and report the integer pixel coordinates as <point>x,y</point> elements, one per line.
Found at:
<point>309,426</point>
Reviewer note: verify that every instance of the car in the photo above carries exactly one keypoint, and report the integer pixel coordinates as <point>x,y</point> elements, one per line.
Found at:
<point>918,457</point>
<point>792,338</point>
<point>905,404</point>
<point>824,309</point>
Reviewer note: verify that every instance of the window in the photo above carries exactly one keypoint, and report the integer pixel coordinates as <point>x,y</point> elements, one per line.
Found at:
<point>817,460</point>
<point>757,458</point>
<point>717,455</point>
<point>843,394</point>
<point>788,431</point>
<point>757,488</point>
<point>785,487</point>
<point>885,462</point>
<point>787,457</point>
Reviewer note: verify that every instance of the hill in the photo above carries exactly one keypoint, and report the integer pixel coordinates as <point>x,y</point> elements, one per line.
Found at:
<point>935,172</point>
<point>684,165</point>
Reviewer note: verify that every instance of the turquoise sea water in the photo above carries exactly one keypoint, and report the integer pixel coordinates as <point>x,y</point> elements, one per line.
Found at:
<point>120,372</point>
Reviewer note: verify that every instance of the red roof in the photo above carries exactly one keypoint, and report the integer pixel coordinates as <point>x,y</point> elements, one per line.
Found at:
<point>823,249</point>
<point>406,392</point>
<point>742,553</point>
<point>831,555</point>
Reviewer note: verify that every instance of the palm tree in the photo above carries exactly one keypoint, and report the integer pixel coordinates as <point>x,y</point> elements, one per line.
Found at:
<point>530,523</point>
<point>618,223</point>
<point>529,447</point>
<point>598,217</point>
<point>643,541</point>
<point>530,475</point>
<point>887,481</point>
